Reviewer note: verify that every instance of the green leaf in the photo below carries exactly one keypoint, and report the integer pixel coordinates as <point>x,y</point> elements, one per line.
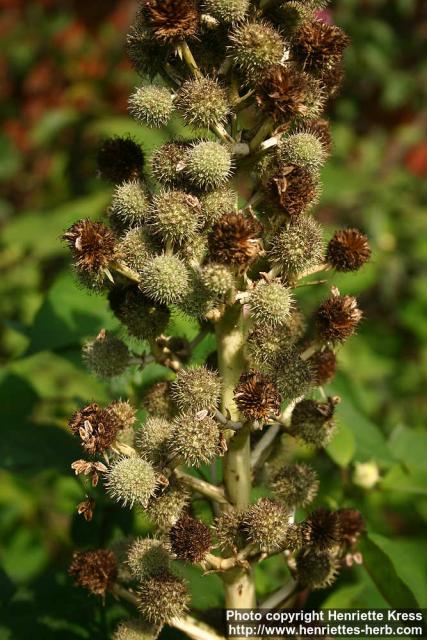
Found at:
<point>67,315</point>
<point>410,481</point>
<point>343,446</point>
<point>409,446</point>
<point>398,569</point>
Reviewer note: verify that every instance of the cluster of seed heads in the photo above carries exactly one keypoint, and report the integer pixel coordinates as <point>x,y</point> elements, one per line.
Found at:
<point>249,87</point>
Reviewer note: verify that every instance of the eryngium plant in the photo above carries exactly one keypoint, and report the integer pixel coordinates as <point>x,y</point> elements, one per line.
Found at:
<point>218,226</point>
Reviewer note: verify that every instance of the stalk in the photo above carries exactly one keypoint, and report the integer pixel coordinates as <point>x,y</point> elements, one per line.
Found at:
<point>230,330</point>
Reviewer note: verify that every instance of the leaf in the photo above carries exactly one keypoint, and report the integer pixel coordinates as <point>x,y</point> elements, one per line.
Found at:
<point>396,569</point>
<point>343,446</point>
<point>409,446</point>
<point>410,481</point>
<point>67,315</point>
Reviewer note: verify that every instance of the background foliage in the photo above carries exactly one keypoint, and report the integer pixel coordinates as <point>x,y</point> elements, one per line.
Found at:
<point>64,84</point>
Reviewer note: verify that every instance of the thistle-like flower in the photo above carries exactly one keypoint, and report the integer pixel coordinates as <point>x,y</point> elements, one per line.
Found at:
<point>338,317</point>
<point>190,539</point>
<point>256,396</point>
<point>94,570</point>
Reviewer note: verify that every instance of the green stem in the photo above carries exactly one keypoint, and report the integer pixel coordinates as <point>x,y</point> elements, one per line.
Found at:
<point>230,331</point>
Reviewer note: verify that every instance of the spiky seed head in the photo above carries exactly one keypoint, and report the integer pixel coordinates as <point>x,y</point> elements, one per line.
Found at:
<point>234,240</point>
<point>270,303</point>
<point>290,190</point>
<point>265,342</point>
<point>131,481</point>
<point>96,427</point>
<point>172,20</point>
<point>195,250</point>
<point>151,440</point>
<point>175,216</point>
<point>337,318</point>
<point>322,530</point>
<point>348,250</point>
<point>162,598</point>
<point>313,422</point>
<point>322,129</point>
<point>156,400</point>
<point>208,165</point>
<point>227,11</point>
<point>141,317</point>
<point>151,105</point>
<point>319,46</point>
<point>255,47</point>
<point>135,248</point>
<point>190,539</point>
<point>217,278</point>
<point>256,396</point>
<point>130,205</point>
<point>94,570</point>
<point>136,630</point>
<point>146,54</point>
<point>120,159</point>
<point>324,365</point>
<point>266,523</point>
<point>332,79</point>
<point>297,485</point>
<point>124,412</point>
<point>283,93</point>
<point>297,247</point>
<point>147,557</point>
<point>294,375</point>
<point>165,508</point>
<point>352,525</point>
<point>167,163</point>
<point>195,438</point>
<point>196,389</point>
<point>316,570</point>
<point>229,530</point>
<point>203,102</point>
<point>217,203</point>
<point>199,300</point>
<point>92,245</point>
<point>165,279</point>
<point>303,148</point>
<point>106,356</point>
<point>293,539</point>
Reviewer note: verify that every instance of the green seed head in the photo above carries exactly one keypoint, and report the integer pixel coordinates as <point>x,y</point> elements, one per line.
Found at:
<point>194,250</point>
<point>167,163</point>
<point>163,598</point>
<point>145,53</point>
<point>228,11</point>
<point>256,46</point>
<point>142,318</point>
<point>294,375</point>
<point>218,279</point>
<point>175,216</point>
<point>157,402</point>
<point>199,300</point>
<point>313,421</point>
<point>165,279</point>
<point>136,630</point>
<point>317,570</point>
<point>135,248</point>
<point>151,106</point>
<point>229,530</point>
<point>147,557</point>
<point>266,523</point>
<point>298,247</point>
<point>304,149</point>
<point>296,485</point>
<point>106,356</point>
<point>129,207</point>
<point>208,165</point>
<point>216,203</point>
<point>167,507</point>
<point>196,438</point>
<point>151,440</point>
<point>131,481</point>
<point>265,342</point>
<point>203,102</point>
<point>196,389</point>
<point>270,303</point>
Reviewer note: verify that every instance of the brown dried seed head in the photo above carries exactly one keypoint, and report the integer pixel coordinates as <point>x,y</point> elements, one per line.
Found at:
<point>322,529</point>
<point>348,250</point>
<point>172,19</point>
<point>295,188</point>
<point>92,245</point>
<point>283,93</point>
<point>96,427</point>
<point>256,396</point>
<point>319,45</point>
<point>338,317</point>
<point>324,365</point>
<point>190,539</point>
<point>235,240</point>
<point>352,524</point>
<point>94,570</point>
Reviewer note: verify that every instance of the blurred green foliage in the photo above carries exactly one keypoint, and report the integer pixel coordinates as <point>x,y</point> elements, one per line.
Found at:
<point>65,87</point>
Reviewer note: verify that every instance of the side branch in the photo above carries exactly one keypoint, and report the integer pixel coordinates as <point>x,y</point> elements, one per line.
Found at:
<point>205,488</point>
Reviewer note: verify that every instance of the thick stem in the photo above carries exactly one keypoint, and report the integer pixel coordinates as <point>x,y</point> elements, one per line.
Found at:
<point>230,331</point>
